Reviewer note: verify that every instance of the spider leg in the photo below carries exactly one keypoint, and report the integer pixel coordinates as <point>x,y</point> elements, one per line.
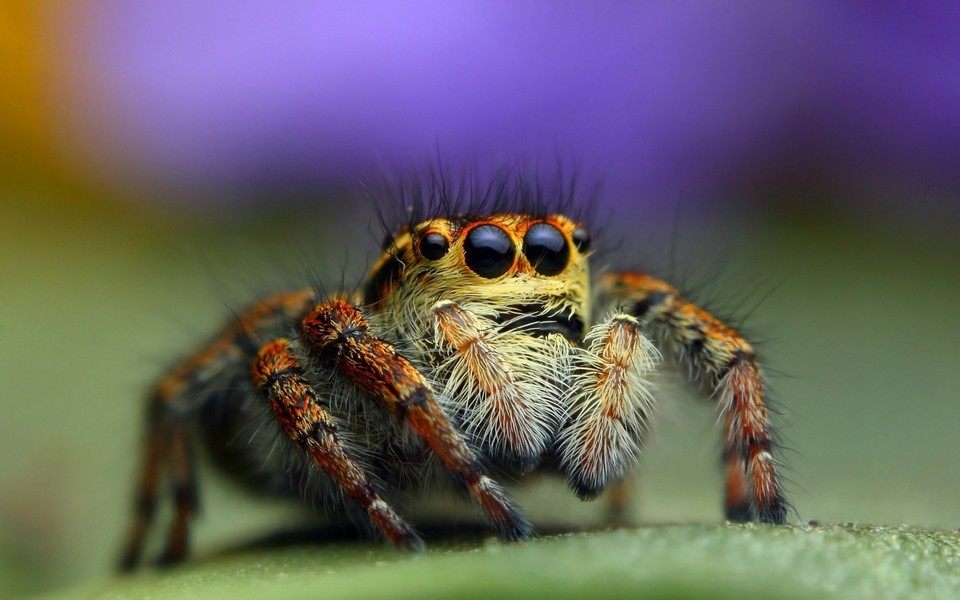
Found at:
<point>737,501</point>
<point>338,333</point>
<point>726,366</point>
<point>185,497</point>
<point>610,401</point>
<point>146,500</point>
<point>510,380</point>
<point>172,409</point>
<point>278,374</point>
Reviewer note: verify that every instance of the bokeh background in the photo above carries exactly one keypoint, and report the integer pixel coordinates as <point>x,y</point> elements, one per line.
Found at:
<point>793,164</point>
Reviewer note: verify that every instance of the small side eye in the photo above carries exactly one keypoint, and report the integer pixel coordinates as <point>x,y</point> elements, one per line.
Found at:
<point>581,239</point>
<point>433,246</point>
<point>546,249</point>
<point>489,251</point>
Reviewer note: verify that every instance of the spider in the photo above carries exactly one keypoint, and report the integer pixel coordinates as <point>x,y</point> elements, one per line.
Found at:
<point>477,348</point>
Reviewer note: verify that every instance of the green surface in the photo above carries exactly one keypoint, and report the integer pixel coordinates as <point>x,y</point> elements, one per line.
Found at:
<point>686,561</point>
<point>97,302</point>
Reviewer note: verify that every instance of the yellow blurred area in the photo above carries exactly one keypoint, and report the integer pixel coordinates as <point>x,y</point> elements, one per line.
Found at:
<point>24,107</point>
<point>33,129</point>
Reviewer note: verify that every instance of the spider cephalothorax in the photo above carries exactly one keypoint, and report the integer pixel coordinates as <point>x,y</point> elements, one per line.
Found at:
<point>476,342</point>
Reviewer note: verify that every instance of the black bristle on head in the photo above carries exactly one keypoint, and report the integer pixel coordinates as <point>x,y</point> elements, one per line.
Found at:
<point>471,193</point>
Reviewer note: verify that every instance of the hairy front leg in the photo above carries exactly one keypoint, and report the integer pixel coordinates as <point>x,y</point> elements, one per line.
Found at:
<point>338,334</point>
<point>611,402</point>
<point>724,364</point>
<point>278,374</point>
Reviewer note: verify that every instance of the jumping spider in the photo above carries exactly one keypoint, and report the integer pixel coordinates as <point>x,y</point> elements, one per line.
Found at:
<point>478,345</point>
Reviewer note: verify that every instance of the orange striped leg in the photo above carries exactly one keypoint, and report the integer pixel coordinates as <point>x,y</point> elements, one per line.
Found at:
<point>338,333</point>
<point>737,500</point>
<point>146,501</point>
<point>741,392</point>
<point>311,427</point>
<point>177,398</point>
<point>723,363</point>
<point>185,500</point>
<point>169,452</point>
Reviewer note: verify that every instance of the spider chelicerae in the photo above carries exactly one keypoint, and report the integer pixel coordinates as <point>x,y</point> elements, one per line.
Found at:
<point>478,347</point>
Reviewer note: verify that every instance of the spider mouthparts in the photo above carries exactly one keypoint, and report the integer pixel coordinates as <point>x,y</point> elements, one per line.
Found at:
<point>537,319</point>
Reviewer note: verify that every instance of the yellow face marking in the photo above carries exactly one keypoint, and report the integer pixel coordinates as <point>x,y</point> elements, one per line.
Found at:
<point>502,262</point>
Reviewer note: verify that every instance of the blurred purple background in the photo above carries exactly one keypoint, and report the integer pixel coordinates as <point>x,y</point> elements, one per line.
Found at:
<point>814,102</point>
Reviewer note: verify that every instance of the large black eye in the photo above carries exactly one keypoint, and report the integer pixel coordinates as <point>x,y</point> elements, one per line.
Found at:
<point>433,246</point>
<point>581,239</point>
<point>546,249</point>
<point>489,252</point>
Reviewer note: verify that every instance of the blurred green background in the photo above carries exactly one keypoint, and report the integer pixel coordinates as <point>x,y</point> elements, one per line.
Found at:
<point>102,290</point>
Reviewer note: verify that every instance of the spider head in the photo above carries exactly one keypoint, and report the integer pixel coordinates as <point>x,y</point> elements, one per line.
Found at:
<point>521,270</point>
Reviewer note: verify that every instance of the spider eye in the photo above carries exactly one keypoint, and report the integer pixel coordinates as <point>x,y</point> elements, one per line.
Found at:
<point>433,246</point>
<point>581,239</point>
<point>489,252</point>
<point>546,249</point>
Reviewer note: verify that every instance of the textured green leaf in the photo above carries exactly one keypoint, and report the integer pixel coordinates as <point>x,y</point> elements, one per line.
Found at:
<point>680,561</point>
